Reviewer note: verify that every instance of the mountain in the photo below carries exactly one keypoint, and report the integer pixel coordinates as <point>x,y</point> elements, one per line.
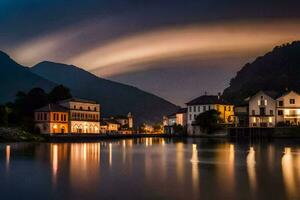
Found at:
<point>278,70</point>
<point>15,78</point>
<point>114,98</point>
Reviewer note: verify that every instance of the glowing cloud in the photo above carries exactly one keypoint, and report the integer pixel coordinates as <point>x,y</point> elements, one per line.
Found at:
<point>189,42</point>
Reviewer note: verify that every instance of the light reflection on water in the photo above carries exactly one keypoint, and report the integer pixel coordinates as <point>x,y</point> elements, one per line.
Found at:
<point>154,168</point>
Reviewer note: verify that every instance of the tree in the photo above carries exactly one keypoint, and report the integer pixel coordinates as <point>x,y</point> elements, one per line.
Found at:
<point>59,93</point>
<point>209,121</point>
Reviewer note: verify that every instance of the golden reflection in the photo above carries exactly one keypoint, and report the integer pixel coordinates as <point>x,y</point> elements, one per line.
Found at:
<point>180,161</point>
<point>7,153</point>
<point>251,168</point>
<point>110,154</point>
<point>271,157</point>
<point>225,160</point>
<point>288,172</point>
<point>54,150</point>
<point>195,167</point>
<point>84,162</point>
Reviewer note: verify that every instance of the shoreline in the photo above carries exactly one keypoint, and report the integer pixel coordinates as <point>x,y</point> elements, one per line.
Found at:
<point>9,134</point>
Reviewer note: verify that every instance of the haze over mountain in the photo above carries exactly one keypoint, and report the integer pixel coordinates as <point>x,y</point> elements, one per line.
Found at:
<point>278,70</point>
<point>15,77</point>
<point>115,98</point>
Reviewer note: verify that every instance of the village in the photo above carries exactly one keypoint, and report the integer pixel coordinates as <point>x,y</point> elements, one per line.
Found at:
<point>265,109</point>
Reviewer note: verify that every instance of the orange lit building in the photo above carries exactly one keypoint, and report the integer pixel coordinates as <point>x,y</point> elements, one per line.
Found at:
<point>52,119</point>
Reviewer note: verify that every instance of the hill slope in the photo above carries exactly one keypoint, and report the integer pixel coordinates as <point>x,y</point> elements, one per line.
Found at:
<point>277,70</point>
<point>115,98</point>
<point>15,77</point>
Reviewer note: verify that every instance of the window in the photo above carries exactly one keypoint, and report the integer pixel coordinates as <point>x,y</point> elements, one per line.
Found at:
<point>253,112</point>
<point>198,108</point>
<point>74,106</point>
<point>280,103</point>
<point>204,108</point>
<point>292,101</point>
<point>259,102</point>
<point>191,117</point>
<point>190,109</point>
<point>195,116</point>
<point>266,102</point>
<point>271,112</point>
<point>89,108</point>
<point>229,108</point>
<point>80,108</point>
<point>95,109</point>
<point>280,112</point>
<point>45,116</point>
<point>262,111</point>
<point>194,108</point>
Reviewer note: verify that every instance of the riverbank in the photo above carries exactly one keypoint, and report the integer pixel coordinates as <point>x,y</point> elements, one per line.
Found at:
<point>276,132</point>
<point>10,134</point>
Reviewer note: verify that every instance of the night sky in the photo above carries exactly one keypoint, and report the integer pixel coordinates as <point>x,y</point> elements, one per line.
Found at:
<point>175,49</point>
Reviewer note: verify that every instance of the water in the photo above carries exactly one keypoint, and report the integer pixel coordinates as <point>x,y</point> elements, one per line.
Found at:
<point>150,168</point>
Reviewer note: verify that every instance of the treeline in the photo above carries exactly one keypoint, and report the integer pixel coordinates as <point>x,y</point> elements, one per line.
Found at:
<point>20,113</point>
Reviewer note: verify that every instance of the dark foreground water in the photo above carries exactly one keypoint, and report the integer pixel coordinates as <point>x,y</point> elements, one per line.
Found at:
<point>150,168</point>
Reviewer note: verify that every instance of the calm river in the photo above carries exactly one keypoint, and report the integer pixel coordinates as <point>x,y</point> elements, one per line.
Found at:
<point>150,168</point>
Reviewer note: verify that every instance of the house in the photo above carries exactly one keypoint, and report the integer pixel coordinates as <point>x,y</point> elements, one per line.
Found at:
<point>262,108</point>
<point>109,125</point>
<point>120,124</point>
<point>69,116</point>
<point>84,115</point>
<point>178,118</point>
<point>181,117</point>
<point>241,114</point>
<point>288,109</point>
<point>168,123</point>
<point>205,103</point>
<point>52,119</point>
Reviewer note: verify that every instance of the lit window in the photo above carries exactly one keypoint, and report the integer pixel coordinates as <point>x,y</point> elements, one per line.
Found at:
<point>270,120</point>
<point>259,102</point>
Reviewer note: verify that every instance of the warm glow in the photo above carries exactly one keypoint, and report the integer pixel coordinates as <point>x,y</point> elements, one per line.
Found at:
<point>288,172</point>
<point>251,168</point>
<point>110,154</point>
<point>128,53</point>
<point>7,153</point>
<point>195,167</point>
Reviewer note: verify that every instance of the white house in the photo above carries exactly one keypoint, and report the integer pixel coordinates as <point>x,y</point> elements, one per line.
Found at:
<point>288,108</point>
<point>205,103</point>
<point>262,108</point>
<point>84,115</point>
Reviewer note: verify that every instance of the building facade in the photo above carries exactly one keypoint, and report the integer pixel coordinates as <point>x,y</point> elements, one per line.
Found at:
<point>262,109</point>
<point>84,115</point>
<point>181,117</point>
<point>288,109</point>
<point>205,103</point>
<point>52,119</point>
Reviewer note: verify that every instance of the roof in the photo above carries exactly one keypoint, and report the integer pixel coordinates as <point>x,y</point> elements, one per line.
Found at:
<point>109,121</point>
<point>286,93</point>
<point>182,110</point>
<point>208,99</point>
<point>79,100</point>
<point>273,94</point>
<point>52,108</point>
